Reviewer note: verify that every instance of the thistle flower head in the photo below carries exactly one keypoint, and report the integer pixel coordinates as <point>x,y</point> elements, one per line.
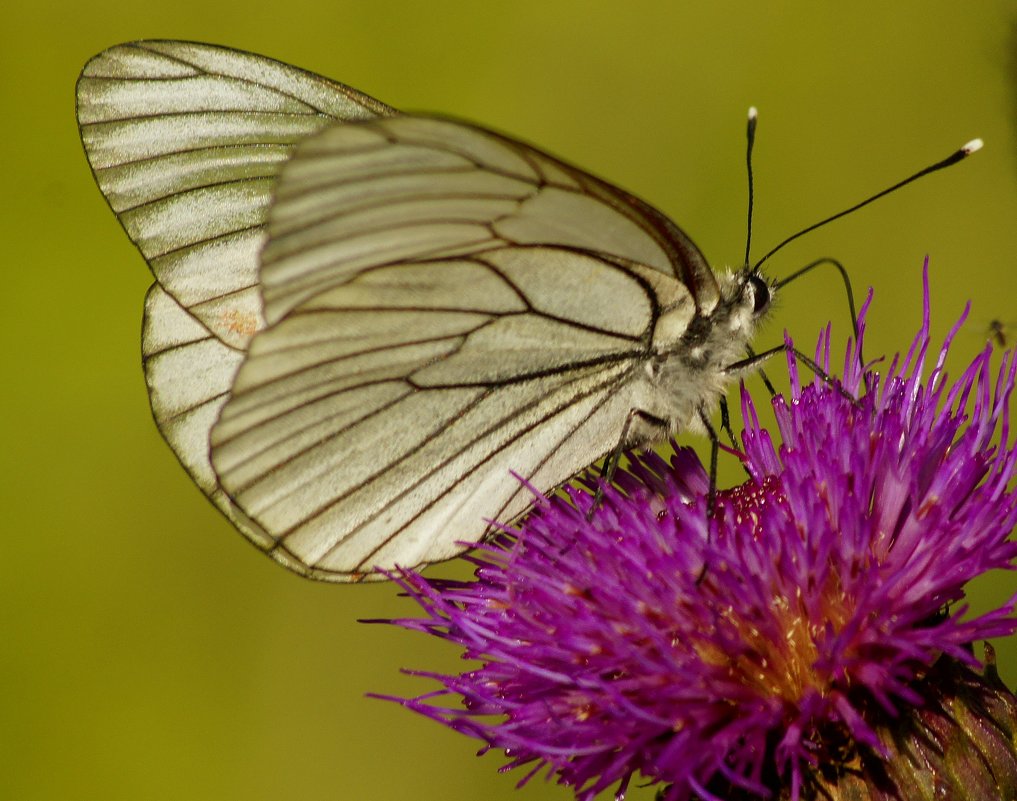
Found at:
<point>741,654</point>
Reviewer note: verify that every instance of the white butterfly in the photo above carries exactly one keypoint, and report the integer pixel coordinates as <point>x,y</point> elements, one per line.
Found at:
<point>363,321</point>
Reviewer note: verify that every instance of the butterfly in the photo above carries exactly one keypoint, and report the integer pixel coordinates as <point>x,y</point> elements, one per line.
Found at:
<point>366,326</point>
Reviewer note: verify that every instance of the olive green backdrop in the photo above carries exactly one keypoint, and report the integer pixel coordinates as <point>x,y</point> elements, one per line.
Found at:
<point>148,652</point>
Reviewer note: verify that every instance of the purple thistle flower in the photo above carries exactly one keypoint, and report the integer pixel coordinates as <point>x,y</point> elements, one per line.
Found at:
<point>742,654</point>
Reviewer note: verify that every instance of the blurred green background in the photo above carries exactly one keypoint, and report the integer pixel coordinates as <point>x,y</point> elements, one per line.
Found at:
<point>147,651</point>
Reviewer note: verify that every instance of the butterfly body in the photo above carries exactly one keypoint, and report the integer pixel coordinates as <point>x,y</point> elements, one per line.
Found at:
<point>364,322</point>
<point>687,367</point>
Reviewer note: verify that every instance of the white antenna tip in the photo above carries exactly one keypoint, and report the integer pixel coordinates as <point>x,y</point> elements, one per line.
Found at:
<point>753,113</point>
<point>972,146</point>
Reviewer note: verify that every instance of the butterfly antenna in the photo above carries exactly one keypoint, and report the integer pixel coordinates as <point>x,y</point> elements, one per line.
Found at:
<point>750,134</point>
<point>949,161</point>
<point>826,260</point>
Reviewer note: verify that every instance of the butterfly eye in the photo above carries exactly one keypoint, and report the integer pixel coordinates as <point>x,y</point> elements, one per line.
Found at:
<point>760,294</point>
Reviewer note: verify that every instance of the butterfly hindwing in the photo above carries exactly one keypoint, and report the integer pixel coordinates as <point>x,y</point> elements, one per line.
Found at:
<point>409,188</point>
<point>444,306</point>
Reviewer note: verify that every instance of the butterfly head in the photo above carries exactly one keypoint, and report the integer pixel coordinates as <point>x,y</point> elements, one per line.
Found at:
<point>745,298</point>
<point>689,372</point>
<point>756,293</point>
<point>722,337</point>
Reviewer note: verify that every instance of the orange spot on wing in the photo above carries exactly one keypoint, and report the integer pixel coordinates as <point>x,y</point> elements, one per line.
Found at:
<point>239,322</point>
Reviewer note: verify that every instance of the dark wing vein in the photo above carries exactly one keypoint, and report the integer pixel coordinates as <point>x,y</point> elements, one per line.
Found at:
<point>243,101</point>
<point>494,427</point>
<point>249,407</point>
<point>528,475</point>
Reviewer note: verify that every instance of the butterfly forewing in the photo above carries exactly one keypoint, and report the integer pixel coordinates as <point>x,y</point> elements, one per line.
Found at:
<point>189,375</point>
<point>185,141</point>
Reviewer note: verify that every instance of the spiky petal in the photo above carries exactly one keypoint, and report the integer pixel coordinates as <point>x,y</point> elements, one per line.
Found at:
<point>747,653</point>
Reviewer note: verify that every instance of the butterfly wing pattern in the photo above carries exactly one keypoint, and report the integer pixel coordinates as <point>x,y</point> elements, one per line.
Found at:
<point>362,322</point>
<point>185,141</point>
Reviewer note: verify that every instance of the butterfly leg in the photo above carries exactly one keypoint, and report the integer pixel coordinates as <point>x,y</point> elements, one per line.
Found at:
<point>613,459</point>
<point>819,372</point>
<point>725,422</point>
<point>725,425</point>
<point>711,499</point>
<point>762,373</point>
